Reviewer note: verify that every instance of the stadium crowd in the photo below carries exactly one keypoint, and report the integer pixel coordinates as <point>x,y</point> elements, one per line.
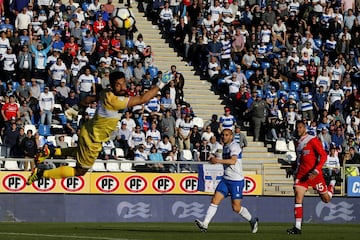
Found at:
<point>276,62</point>
<point>273,61</point>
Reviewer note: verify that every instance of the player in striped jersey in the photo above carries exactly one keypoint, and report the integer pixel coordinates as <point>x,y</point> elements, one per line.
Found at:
<point>227,121</point>
<point>232,183</point>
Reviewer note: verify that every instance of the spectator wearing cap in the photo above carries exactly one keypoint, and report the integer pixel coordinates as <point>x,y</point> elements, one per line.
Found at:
<point>40,58</point>
<point>9,60</point>
<point>57,72</point>
<point>121,137</point>
<point>99,24</point>
<point>137,137</point>
<point>139,157</point>
<point>227,121</point>
<point>233,86</point>
<point>62,91</point>
<point>166,102</point>
<point>46,104</point>
<point>240,137</point>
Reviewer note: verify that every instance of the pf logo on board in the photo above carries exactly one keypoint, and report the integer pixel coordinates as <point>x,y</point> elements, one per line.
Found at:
<point>189,184</point>
<point>135,184</point>
<point>14,182</point>
<point>73,184</point>
<point>44,184</point>
<point>249,185</point>
<point>163,184</point>
<point>107,183</point>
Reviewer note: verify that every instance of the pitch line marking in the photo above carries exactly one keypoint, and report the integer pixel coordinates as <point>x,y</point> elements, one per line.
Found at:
<point>57,236</point>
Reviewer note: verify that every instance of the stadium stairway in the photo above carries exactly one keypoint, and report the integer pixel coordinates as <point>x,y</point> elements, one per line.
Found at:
<point>197,92</point>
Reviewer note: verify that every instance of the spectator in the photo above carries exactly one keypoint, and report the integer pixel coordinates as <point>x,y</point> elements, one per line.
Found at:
<point>25,113</point>
<point>28,145</point>
<point>240,137</point>
<point>46,105</point>
<point>184,130</point>
<point>168,127</point>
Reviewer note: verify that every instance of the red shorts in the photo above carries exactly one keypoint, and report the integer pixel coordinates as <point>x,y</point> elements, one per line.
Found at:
<point>318,183</point>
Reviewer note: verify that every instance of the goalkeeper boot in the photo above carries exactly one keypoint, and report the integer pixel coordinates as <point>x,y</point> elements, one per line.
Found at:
<point>293,231</point>
<point>36,174</point>
<point>201,225</point>
<point>254,223</point>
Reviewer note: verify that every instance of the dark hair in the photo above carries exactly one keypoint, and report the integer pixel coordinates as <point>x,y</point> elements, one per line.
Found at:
<point>115,76</point>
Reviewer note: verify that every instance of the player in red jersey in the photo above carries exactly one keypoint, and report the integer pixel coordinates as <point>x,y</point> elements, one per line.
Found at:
<point>311,157</point>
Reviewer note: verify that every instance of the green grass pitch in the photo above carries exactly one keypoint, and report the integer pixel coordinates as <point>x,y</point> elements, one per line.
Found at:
<point>171,231</point>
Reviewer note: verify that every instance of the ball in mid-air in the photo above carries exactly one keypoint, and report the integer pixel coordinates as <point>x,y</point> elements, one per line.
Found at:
<point>123,18</point>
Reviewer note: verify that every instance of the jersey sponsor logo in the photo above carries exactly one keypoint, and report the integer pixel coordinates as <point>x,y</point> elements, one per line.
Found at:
<point>249,185</point>
<point>332,211</point>
<point>14,182</point>
<point>44,184</point>
<point>107,183</point>
<point>189,184</point>
<point>163,184</point>
<point>184,210</point>
<point>73,184</point>
<point>129,210</point>
<point>135,184</point>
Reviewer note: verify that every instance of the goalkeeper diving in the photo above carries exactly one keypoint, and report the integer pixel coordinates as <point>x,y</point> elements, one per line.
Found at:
<point>97,130</point>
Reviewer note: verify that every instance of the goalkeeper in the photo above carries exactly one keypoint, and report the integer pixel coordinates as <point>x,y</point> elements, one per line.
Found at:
<point>97,130</point>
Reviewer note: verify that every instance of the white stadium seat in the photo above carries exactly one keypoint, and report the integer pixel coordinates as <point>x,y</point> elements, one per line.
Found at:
<point>30,127</point>
<point>113,167</point>
<point>99,166</point>
<point>11,165</point>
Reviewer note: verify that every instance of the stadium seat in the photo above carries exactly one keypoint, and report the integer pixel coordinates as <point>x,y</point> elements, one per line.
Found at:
<point>283,93</point>
<point>281,146</point>
<point>225,72</point>
<point>129,43</point>
<point>232,66</point>
<point>78,120</point>
<point>186,155</point>
<point>285,86</point>
<point>113,167</point>
<point>62,118</point>
<point>15,85</point>
<point>68,140</point>
<point>11,165</point>
<point>295,95</point>
<point>99,166</point>
<point>318,42</point>
<point>153,72</point>
<point>119,152</point>
<point>44,130</point>
<point>265,65</point>
<point>295,86</point>
<point>126,167</point>
<point>198,121</point>
<point>51,139</point>
<point>30,127</point>
<point>290,156</point>
<point>58,106</point>
<point>71,162</point>
<point>248,74</point>
<point>291,146</point>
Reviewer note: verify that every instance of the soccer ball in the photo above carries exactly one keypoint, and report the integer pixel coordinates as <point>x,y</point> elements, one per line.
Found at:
<point>123,18</point>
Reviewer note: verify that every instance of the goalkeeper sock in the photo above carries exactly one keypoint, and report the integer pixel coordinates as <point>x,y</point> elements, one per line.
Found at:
<point>60,172</point>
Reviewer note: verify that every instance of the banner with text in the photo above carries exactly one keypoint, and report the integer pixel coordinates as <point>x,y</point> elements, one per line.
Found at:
<point>353,186</point>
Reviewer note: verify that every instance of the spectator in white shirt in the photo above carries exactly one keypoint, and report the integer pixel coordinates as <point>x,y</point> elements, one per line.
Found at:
<point>46,104</point>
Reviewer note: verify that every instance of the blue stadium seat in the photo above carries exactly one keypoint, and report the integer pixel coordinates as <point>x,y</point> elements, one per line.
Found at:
<point>283,93</point>
<point>295,86</point>
<point>44,130</point>
<point>318,42</point>
<point>15,85</point>
<point>265,65</point>
<point>232,66</point>
<point>129,43</point>
<point>220,83</point>
<point>153,72</point>
<point>225,72</point>
<point>295,94</point>
<point>62,118</point>
<point>285,86</point>
<point>249,73</point>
